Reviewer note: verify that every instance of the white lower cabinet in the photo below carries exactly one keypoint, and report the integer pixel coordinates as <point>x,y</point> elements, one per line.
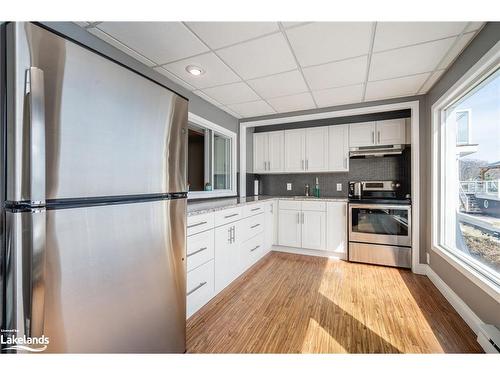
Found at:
<point>270,228</point>
<point>313,230</point>
<point>336,224</point>
<point>252,250</point>
<point>200,287</point>
<point>227,255</point>
<point>289,228</point>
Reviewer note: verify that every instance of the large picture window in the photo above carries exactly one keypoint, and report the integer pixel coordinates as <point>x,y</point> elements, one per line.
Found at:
<point>468,176</point>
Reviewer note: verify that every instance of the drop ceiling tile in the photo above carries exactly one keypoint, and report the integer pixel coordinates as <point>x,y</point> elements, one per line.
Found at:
<point>251,109</point>
<point>409,60</point>
<point>279,85</point>
<point>174,78</point>
<point>159,41</point>
<point>260,57</point>
<point>209,99</point>
<point>399,34</point>
<point>457,49</point>
<point>474,26</point>
<point>122,47</point>
<point>221,34</point>
<point>216,72</point>
<point>397,87</point>
<point>339,95</point>
<point>321,42</point>
<point>233,93</point>
<point>432,80</point>
<point>291,103</point>
<point>336,74</point>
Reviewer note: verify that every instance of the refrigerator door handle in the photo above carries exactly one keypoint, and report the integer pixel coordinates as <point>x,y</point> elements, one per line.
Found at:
<point>36,95</point>
<point>34,244</point>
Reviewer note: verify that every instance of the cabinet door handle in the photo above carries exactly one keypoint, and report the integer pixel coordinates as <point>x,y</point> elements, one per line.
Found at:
<point>196,288</point>
<point>255,248</point>
<point>233,235</point>
<point>302,164</point>
<point>229,235</point>
<point>254,226</point>
<point>196,225</point>
<point>378,137</point>
<point>298,217</point>
<point>228,216</point>
<point>268,165</point>
<point>255,209</point>
<point>302,218</point>
<point>373,137</point>
<point>197,251</point>
<point>265,166</point>
<point>307,164</point>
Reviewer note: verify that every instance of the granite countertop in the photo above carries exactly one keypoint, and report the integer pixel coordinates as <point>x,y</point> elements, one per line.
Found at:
<point>198,207</point>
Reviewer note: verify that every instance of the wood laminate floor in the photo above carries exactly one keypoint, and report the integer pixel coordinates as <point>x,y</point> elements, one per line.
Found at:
<point>290,303</point>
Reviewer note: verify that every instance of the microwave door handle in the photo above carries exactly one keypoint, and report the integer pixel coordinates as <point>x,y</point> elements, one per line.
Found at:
<point>36,97</point>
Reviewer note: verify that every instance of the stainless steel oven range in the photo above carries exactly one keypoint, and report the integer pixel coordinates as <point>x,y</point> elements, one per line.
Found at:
<point>380,225</point>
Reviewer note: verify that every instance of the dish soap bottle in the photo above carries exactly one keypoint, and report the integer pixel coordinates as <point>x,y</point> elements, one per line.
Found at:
<point>316,188</point>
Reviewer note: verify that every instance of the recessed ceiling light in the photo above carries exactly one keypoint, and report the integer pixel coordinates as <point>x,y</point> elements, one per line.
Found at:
<point>194,70</point>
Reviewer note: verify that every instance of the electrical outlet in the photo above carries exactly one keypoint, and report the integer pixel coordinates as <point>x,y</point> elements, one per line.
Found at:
<point>288,186</point>
<point>339,187</point>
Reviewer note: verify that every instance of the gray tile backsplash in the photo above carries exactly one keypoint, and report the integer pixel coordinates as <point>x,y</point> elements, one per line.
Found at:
<point>386,168</point>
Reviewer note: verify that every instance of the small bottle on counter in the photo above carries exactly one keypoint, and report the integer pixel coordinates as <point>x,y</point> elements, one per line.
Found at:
<point>316,188</point>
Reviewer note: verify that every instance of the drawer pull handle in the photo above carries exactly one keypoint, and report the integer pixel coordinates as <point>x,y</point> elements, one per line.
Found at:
<point>254,226</point>
<point>255,209</point>
<point>197,224</point>
<point>197,251</point>
<point>196,288</point>
<point>255,248</point>
<point>228,216</point>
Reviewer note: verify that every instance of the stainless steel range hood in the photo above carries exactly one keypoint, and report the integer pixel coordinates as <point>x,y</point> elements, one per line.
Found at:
<point>375,151</point>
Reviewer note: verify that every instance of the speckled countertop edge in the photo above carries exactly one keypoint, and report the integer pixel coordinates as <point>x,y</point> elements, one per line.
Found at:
<point>206,207</point>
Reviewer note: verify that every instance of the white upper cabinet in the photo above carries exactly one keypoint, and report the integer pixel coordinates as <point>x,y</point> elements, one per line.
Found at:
<point>362,134</point>
<point>276,147</point>
<point>268,152</point>
<point>295,146</point>
<point>338,148</point>
<point>260,152</point>
<point>316,158</point>
<point>380,133</point>
<point>391,132</point>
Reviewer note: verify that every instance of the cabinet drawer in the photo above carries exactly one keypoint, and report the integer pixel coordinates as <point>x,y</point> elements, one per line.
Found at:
<point>200,287</point>
<point>200,249</point>
<point>252,250</point>
<point>290,205</point>
<point>199,223</point>
<point>313,206</point>
<point>227,216</point>
<point>252,226</point>
<point>252,209</point>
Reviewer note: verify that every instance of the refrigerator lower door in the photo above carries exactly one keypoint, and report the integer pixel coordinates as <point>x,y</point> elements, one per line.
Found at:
<point>115,278</point>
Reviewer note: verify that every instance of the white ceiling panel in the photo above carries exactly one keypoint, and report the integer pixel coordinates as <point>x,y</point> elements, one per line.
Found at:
<point>222,34</point>
<point>339,95</point>
<point>393,88</point>
<point>260,57</point>
<point>216,73</point>
<point>341,73</point>
<point>399,34</point>
<point>431,81</point>
<point>291,103</point>
<point>234,93</point>
<point>279,85</point>
<point>122,47</point>
<point>251,109</point>
<point>161,42</point>
<point>174,78</point>
<point>321,42</point>
<point>456,49</point>
<point>409,60</point>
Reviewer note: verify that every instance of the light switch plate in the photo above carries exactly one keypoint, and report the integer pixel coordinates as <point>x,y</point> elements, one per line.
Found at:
<point>288,186</point>
<point>339,187</point>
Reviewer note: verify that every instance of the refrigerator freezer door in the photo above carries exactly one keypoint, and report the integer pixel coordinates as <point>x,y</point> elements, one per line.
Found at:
<point>115,278</point>
<point>108,130</point>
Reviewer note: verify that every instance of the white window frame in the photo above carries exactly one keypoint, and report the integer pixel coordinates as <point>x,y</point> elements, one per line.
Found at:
<point>200,121</point>
<point>469,114</point>
<point>488,64</point>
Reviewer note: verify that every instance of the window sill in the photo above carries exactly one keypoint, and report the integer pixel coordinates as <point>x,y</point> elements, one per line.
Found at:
<point>192,195</point>
<point>478,279</point>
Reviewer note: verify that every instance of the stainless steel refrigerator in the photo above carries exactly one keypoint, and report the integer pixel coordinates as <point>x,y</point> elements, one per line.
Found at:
<point>94,199</point>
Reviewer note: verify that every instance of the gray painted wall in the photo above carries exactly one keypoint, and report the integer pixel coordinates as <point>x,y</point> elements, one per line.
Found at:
<point>196,104</point>
<point>481,303</point>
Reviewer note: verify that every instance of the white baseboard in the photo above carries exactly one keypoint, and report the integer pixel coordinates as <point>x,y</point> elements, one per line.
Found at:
<point>316,253</point>
<point>458,304</point>
<point>420,269</point>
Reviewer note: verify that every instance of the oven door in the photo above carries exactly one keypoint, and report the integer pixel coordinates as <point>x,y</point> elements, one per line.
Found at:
<point>380,224</point>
